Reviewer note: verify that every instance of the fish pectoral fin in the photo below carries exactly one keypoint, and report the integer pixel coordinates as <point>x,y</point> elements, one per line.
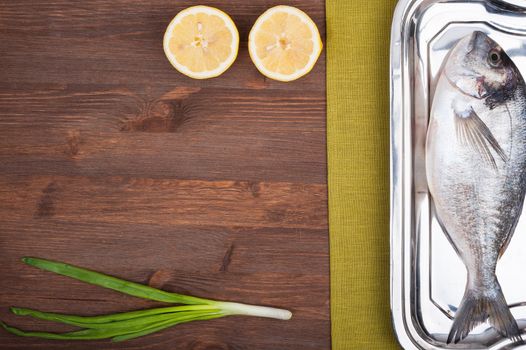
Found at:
<point>471,130</point>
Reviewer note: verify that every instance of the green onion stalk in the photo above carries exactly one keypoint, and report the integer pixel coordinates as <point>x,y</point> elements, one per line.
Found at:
<point>134,324</point>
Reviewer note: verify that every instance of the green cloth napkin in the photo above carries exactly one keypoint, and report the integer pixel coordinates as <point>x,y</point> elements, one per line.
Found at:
<point>358,34</point>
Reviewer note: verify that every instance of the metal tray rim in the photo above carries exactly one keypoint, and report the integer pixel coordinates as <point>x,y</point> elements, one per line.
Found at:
<point>399,316</point>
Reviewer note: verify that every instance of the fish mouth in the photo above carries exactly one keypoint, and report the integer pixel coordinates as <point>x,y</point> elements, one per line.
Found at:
<point>481,87</point>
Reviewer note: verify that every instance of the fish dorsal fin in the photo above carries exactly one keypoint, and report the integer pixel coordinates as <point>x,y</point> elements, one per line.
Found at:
<point>472,131</point>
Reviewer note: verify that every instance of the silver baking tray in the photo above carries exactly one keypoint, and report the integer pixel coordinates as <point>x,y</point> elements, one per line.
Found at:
<point>427,277</point>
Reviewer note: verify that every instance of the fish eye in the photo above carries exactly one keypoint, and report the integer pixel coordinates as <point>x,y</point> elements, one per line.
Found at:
<point>494,58</point>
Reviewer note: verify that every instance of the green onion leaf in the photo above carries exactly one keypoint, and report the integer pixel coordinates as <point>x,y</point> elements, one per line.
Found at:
<point>124,323</point>
<point>74,319</point>
<point>126,287</point>
<point>137,330</point>
<point>165,325</point>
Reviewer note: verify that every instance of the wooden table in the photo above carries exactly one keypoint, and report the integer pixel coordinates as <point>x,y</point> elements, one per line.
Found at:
<point>112,160</point>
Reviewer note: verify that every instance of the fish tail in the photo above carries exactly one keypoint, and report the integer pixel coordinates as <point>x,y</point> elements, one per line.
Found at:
<point>476,308</point>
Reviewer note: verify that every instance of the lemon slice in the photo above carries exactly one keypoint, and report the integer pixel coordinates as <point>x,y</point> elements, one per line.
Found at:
<point>201,42</point>
<point>284,43</point>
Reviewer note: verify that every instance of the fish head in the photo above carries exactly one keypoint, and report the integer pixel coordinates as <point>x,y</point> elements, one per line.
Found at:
<point>480,68</point>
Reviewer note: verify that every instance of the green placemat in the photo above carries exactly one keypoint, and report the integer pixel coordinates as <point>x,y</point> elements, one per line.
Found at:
<point>358,161</point>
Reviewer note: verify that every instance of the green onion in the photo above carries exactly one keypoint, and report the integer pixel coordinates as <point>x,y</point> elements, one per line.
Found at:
<point>72,319</point>
<point>134,324</point>
<point>126,287</point>
<point>165,325</point>
<point>104,333</point>
<point>124,323</point>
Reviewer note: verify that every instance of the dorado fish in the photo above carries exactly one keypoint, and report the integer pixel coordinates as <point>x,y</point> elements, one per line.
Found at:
<point>476,172</point>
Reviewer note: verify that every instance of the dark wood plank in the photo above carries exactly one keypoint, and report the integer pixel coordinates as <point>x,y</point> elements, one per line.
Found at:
<point>164,202</point>
<point>190,248</point>
<point>112,160</point>
<point>203,132</point>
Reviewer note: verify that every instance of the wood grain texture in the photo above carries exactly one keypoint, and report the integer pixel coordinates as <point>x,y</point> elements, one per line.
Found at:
<point>112,160</point>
